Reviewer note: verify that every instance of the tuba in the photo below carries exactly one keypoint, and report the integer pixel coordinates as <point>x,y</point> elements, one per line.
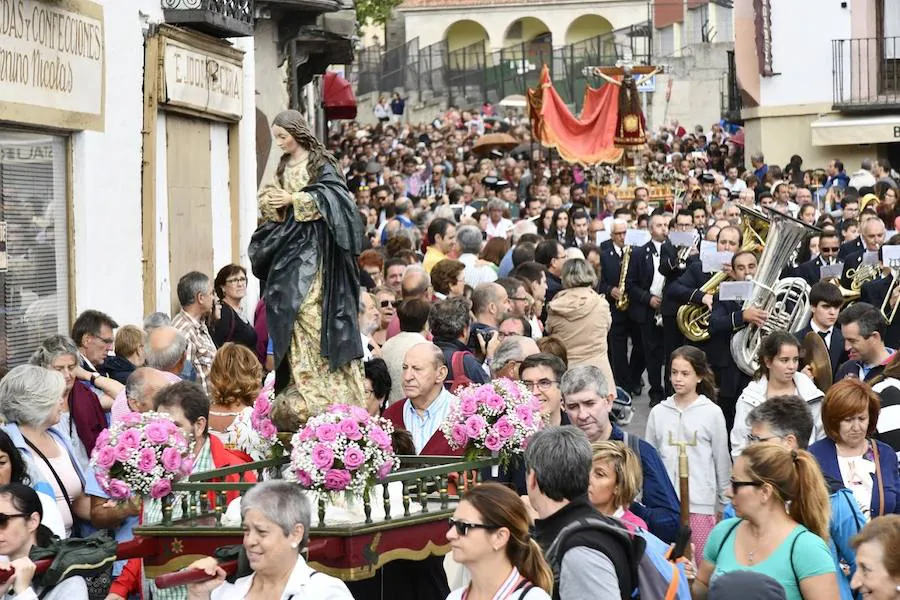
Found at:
<point>693,320</point>
<point>786,301</point>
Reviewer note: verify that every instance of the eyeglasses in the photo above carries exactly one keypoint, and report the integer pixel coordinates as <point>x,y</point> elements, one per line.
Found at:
<point>106,341</point>
<point>827,249</point>
<point>462,527</point>
<point>236,280</point>
<point>542,384</point>
<point>755,439</point>
<point>4,518</point>
<point>736,485</point>
<point>386,303</point>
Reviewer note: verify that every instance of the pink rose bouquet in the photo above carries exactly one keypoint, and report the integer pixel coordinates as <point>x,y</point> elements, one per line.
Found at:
<point>142,455</point>
<point>496,418</point>
<point>253,431</point>
<point>342,450</point>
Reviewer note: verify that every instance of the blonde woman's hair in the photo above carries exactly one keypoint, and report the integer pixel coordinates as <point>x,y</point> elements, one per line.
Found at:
<point>627,465</point>
<point>795,477</point>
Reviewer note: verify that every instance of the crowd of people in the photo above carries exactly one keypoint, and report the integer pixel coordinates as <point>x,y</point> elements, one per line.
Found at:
<point>477,264</point>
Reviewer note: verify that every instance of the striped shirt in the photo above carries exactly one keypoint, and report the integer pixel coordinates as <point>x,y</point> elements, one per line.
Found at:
<point>153,516</point>
<point>423,425</point>
<point>201,350</point>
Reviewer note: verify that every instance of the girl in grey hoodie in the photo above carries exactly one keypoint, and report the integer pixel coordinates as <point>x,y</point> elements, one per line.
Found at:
<point>692,412</point>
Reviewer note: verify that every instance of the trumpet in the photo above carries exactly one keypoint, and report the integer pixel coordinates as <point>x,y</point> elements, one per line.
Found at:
<point>894,266</point>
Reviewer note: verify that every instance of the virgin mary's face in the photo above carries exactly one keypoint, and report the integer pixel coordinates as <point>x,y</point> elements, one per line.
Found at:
<point>284,140</point>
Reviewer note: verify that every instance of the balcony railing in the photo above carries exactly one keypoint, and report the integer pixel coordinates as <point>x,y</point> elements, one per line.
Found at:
<point>866,74</point>
<point>219,18</point>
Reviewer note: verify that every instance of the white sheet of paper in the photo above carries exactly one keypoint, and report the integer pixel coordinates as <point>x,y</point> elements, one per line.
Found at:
<point>735,290</point>
<point>713,261</point>
<point>637,237</point>
<point>601,237</point>
<point>870,258</point>
<point>888,234</point>
<point>706,247</point>
<point>829,271</point>
<point>681,239</point>
<point>890,253</point>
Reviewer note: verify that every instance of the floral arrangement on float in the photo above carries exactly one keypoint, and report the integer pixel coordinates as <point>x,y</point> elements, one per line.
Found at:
<point>141,455</point>
<point>342,450</point>
<point>253,430</point>
<point>493,419</point>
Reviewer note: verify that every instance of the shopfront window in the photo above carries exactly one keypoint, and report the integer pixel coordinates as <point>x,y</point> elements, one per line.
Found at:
<point>34,291</point>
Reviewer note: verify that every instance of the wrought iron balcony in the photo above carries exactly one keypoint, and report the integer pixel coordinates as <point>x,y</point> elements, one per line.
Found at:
<point>866,74</point>
<point>219,18</point>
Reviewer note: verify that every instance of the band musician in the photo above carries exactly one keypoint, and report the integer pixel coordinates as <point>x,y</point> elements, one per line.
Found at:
<point>826,301</point>
<point>673,265</point>
<point>874,292</point>
<point>612,251</point>
<point>644,284</point>
<point>811,270</point>
<point>727,318</point>
<point>872,236</point>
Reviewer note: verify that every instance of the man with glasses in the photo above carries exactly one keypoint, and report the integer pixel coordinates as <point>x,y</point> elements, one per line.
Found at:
<point>517,296</point>
<point>787,421</point>
<point>811,270</point>
<point>627,372</point>
<point>587,404</point>
<point>872,235</point>
<point>92,332</point>
<point>826,300</point>
<point>541,373</point>
<point>874,293</point>
<point>195,294</point>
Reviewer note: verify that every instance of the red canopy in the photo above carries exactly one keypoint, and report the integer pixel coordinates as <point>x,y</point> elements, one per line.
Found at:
<point>338,98</point>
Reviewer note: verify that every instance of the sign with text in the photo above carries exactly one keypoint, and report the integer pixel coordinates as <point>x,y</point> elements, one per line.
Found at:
<point>735,290</point>
<point>52,63</point>
<point>202,80</point>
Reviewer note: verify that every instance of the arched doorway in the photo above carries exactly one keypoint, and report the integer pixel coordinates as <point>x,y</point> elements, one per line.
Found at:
<point>586,27</point>
<point>465,33</point>
<point>528,40</point>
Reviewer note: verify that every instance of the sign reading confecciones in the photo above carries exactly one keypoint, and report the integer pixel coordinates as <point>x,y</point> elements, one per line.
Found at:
<point>52,63</point>
<point>203,79</point>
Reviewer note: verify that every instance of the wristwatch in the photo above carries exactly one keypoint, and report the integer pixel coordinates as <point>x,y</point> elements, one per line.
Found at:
<point>94,378</point>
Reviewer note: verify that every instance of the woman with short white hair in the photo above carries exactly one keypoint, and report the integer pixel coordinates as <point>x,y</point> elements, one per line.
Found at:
<point>580,318</point>
<point>31,401</point>
<point>276,519</point>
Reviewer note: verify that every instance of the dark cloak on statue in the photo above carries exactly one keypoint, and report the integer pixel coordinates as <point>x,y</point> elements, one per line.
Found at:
<point>286,255</point>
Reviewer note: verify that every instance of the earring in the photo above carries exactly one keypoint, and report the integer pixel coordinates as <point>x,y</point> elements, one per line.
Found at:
<point>295,545</point>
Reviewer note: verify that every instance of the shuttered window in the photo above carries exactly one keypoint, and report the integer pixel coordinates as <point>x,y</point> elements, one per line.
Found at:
<point>34,263</point>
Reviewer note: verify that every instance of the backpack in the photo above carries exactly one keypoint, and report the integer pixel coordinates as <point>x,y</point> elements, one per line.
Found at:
<point>458,369</point>
<point>656,577</point>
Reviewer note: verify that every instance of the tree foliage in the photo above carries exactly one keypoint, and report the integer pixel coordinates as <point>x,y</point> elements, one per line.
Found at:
<point>376,12</point>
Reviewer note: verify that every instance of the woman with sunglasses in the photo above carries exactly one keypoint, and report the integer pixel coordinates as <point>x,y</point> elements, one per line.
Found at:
<point>782,508</point>
<point>489,536</point>
<point>21,513</point>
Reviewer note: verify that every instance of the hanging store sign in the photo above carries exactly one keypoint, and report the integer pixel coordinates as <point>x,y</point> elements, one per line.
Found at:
<point>203,80</point>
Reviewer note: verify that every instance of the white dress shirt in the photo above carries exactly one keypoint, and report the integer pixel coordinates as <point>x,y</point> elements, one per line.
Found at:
<point>656,288</point>
<point>304,584</point>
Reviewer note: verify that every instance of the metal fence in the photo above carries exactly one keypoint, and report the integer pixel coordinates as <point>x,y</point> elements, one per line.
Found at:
<point>474,74</point>
<point>866,73</point>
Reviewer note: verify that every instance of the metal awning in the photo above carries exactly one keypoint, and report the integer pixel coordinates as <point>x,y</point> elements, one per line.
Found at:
<point>837,130</point>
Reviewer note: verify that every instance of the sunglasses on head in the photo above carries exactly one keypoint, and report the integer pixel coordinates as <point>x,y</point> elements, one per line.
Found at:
<point>462,527</point>
<point>4,518</point>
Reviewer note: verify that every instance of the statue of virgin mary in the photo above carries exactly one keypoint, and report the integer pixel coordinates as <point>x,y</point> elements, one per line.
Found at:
<point>304,252</point>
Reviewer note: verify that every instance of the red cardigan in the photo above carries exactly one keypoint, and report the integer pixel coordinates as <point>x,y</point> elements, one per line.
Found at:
<point>130,579</point>
<point>437,445</point>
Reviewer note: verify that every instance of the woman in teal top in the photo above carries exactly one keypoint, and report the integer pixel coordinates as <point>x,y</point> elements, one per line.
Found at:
<point>786,544</point>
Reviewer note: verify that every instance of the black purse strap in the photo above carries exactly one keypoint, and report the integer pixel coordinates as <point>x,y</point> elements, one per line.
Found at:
<point>59,482</point>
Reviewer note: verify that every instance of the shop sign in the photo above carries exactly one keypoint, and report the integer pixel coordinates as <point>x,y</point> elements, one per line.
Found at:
<point>52,63</point>
<point>202,81</point>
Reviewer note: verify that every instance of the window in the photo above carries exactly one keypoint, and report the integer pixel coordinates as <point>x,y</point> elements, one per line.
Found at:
<point>698,23</point>
<point>665,40</point>
<point>34,293</point>
<point>724,31</point>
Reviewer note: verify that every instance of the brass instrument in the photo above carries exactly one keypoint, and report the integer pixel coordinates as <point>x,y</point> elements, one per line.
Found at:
<point>786,301</point>
<point>850,296</point>
<point>622,302</point>
<point>816,357</point>
<point>862,275</point>
<point>895,274</point>
<point>693,319</point>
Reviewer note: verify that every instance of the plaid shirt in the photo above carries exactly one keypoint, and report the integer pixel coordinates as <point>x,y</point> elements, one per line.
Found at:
<point>153,515</point>
<point>201,350</point>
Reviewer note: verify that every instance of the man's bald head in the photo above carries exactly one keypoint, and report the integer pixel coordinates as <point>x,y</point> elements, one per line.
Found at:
<point>165,350</point>
<point>416,283</point>
<point>143,385</point>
